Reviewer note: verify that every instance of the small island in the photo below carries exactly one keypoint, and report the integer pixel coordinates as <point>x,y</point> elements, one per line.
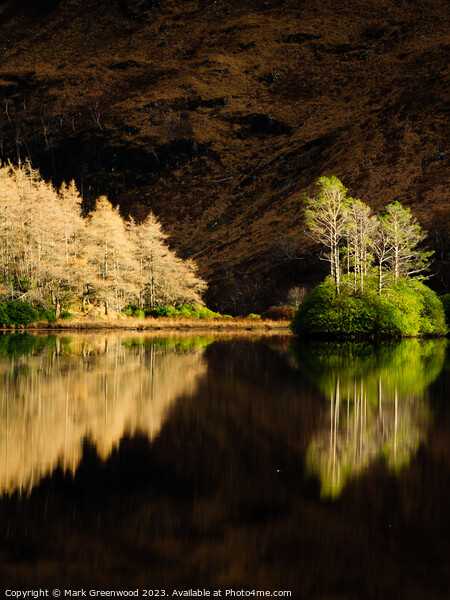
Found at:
<point>376,267</point>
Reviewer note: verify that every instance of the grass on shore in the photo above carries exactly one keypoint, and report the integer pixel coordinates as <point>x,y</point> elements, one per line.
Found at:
<point>151,323</point>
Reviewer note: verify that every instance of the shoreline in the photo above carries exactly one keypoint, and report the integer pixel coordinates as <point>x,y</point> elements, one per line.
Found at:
<point>156,326</point>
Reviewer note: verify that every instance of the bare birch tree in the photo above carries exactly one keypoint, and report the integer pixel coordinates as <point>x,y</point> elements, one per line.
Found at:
<point>403,234</point>
<point>358,232</point>
<point>326,219</point>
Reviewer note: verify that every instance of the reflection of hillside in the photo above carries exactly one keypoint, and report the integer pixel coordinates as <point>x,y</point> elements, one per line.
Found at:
<point>99,387</point>
<point>377,405</point>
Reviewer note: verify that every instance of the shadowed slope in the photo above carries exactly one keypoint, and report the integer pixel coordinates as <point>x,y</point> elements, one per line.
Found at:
<point>219,116</point>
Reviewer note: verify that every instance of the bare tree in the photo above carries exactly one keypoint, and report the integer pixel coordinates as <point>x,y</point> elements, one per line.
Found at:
<point>164,278</point>
<point>296,295</point>
<point>111,255</point>
<point>403,235</point>
<point>326,219</point>
<point>380,248</point>
<point>358,232</point>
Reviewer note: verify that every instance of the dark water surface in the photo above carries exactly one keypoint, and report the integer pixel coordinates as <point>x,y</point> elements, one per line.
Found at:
<point>257,463</point>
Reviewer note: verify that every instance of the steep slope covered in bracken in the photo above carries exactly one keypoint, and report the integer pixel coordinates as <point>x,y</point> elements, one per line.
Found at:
<point>220,115</point>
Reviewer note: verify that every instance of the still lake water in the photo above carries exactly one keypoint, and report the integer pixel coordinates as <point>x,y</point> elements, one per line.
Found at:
<point>130,461</point>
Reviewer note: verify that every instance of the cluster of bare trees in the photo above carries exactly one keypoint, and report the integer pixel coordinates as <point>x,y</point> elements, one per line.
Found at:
<point>50,253</point>
<point>358,242</point>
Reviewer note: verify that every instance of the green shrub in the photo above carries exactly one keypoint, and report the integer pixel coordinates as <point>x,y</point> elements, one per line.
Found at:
<point>66,315</point>
<point>206,313</point>
<point>133,310</point>
<point>161,311</point>
<point>407,309</point>
<point>253,316</point>
<point>4,316</point>
<point>48,315</point>
<point>129,310</point>
<point>185,310</point>
<point>18,312</point>
<point>445,299</point>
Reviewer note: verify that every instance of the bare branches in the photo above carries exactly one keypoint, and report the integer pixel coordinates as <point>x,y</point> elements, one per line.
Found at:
<point>346,229</point>
<point>326,219</point>
<point>287,247</point>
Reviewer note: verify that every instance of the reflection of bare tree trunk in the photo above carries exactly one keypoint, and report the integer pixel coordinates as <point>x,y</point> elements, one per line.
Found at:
<point>331,427</point>
<point>361,418</point>
<point>348,411</point>
<point>67,421</point>
<point>365,409</point>
<point>105,391</point>
<point>355,418</point>
<point>379,396</point>
<point>7,428</point>
<point>116,374</point>
<point>395,422</point>
<point>336,421</point>
<point>152,376</point>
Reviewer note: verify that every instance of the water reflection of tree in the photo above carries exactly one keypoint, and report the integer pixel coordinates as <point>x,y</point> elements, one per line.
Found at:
<point>378,407</point>
<point>56,392</point>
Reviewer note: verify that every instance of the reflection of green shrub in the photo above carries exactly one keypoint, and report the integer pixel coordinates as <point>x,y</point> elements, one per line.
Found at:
<point>170,344</point>
<point>407,366</point>
<point>407,309</point>
<point>20,344</point>
<point>377,408</point>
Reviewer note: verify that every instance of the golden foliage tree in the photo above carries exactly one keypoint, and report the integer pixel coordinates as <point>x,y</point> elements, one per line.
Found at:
<point>49,253</point>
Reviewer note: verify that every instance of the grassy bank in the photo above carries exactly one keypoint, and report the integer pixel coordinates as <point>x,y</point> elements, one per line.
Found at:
<point>158,324</point>
<point>18,316</point>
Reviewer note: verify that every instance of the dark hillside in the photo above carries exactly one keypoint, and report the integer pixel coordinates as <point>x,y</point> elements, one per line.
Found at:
<point>219,116</point>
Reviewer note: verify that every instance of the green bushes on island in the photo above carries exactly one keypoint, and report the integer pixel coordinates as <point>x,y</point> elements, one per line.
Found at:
<point>375,265</point>
<point>407,308</point>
